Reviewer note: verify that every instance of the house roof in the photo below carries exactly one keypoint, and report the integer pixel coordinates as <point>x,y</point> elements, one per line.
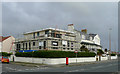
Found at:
<point>49,29</point>
<point>3,38</point>
<point>92,35</point>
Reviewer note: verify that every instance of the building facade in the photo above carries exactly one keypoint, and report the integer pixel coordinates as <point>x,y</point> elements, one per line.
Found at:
<point>51,39</point>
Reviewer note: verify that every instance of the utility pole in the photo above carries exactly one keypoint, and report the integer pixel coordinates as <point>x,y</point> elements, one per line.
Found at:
<point>110,42</point>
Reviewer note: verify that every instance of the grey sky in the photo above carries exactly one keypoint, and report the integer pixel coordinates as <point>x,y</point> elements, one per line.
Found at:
<point>95,17</point>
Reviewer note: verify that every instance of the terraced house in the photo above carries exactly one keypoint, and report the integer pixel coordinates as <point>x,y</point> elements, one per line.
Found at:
<point>58,39</point>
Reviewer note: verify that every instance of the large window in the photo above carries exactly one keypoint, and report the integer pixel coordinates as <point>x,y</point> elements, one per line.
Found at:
<point>23,46</point>
<point>54,47</point>
<point>68,44</point>
<point>37,33</point>
<point>44,45</point>
<point>33,43</point>
<point>26,46</point>
<point>54,34</point>
<point>18,47</point>
<point>29,46</point>
<point>33,35</point>
<point>47,32</point>
<point>40,45</point>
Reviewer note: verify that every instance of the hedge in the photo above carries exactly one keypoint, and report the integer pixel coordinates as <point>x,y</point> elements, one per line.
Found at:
<point>113,54</point>
<point>54,54</point>
<point>5,54</point>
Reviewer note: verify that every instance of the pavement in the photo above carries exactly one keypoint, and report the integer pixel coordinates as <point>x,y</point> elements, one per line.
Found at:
<point>99,66</point>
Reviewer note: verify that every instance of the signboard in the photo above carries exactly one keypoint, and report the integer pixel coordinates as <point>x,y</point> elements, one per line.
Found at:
<point>54,43</point>
<point>40,43</point>
<point>64,42</point>
<point>75,51</point>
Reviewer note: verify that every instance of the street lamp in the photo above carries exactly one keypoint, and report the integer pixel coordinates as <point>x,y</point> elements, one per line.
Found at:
<point>110,42</point>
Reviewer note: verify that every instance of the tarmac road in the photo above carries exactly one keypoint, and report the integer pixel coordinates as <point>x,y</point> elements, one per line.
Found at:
<point>103,66</point>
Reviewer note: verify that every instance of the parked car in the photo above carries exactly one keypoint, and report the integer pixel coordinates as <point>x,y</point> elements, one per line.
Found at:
<point>4,59</point>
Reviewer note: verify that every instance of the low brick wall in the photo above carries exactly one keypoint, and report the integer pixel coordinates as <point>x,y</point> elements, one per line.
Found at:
<point>53,61</point>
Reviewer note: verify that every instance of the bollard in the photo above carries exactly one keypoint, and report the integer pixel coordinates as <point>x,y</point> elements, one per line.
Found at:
<point>66,60</point>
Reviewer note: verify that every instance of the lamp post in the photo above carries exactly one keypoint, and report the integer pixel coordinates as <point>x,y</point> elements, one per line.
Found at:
<point>110,42</point>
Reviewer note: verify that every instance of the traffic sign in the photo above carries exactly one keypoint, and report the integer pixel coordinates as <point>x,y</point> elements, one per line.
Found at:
<point>75,51</point>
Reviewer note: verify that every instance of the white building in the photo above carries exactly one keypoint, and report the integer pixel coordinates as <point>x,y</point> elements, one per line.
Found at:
<point>91,41</point>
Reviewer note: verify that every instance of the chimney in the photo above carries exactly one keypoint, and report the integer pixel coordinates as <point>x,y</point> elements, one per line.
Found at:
<point>70,27</point>
<point>84,31</point>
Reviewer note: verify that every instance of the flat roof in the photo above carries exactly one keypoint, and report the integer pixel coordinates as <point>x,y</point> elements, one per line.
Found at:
<point>48,29</point>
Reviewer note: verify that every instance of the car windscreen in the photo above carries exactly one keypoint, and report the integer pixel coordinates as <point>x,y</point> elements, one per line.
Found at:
<point>5,57</point>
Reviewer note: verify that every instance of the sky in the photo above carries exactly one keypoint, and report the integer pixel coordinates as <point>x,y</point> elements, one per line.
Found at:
<point>96,17</point>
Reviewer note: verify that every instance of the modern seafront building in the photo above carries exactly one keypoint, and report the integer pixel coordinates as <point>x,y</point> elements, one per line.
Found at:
<point>58,39</point>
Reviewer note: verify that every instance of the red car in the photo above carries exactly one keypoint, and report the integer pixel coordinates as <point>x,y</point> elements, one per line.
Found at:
<point>4,59</point>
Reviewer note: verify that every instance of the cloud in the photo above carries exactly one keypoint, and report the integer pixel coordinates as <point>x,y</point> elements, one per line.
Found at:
<point>96,17</point>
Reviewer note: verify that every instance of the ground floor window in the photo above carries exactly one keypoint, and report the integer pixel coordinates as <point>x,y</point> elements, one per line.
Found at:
<point>71,48</point>
<point>33,43</point>
<point>18,47</point>
<point>40,47</point>
<point>54,47</point>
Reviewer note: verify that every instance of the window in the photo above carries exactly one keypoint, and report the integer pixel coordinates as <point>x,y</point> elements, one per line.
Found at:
<point>71,48</point>
<point>26,46</point>
<point>64,48</point>
<point>23,46</point>
<point>83,36</point>
<point>68,44</point>
<point>53,34</point>
<point>40,47</point>
<point>29,46</point>
<point>33,35</point>
<point>47,32</point>
<point>37,33</point>
<point>58,35</point>
<point>18,47</point>
<point>54,47</point>
<point>44,44</point>
<point>33,43</point>
<point>71,44</point>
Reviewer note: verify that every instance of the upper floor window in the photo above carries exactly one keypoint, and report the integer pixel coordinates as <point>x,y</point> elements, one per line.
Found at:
<point>47,31</point>
<point>33,35</point>
<point>37,33</point>
<point>83,36</point>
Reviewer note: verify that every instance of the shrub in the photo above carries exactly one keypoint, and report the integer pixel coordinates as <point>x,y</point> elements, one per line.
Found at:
<point>99,52</point>
<point>54,54</point>
<point>113,54</point>
<point>83,48</point>
<point>5,54</point>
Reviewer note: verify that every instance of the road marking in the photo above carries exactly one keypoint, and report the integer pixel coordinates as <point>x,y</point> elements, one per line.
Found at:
<point>10,68</point>
<point>76,70</point>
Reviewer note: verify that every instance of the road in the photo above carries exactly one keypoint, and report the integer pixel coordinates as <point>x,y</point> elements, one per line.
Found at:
<point>104,66</point>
